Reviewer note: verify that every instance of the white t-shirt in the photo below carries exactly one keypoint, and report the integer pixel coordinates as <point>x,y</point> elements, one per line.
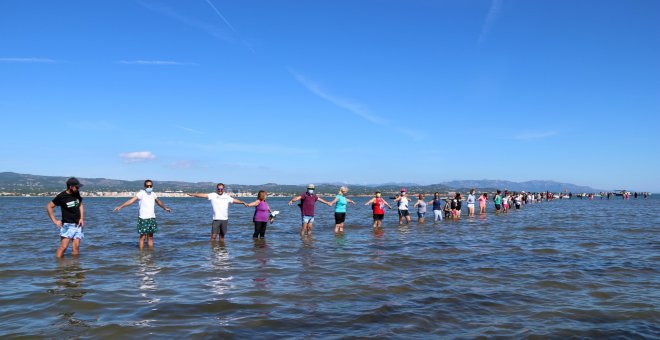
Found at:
<point>147,204</point>
<point>403,203</point>
<point>220,205</point>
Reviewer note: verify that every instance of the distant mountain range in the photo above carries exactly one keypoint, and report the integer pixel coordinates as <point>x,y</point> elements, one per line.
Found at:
<point>11,182</point>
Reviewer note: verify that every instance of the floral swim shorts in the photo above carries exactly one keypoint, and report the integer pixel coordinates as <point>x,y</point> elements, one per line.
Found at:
<point>146,226</point>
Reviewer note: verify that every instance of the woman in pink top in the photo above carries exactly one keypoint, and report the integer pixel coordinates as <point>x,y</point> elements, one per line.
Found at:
<point>483,200</point>
<point>261,214</point>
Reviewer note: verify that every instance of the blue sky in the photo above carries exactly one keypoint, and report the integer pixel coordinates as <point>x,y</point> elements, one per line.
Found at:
<point>333,91</point>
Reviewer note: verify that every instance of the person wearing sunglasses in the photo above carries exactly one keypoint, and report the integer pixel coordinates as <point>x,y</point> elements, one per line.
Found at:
<point>71,224</point>
<point>220,201</point>
<point>146,223</point>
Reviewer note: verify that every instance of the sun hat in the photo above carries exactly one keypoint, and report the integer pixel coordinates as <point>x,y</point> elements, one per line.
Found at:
<point>311,186</point>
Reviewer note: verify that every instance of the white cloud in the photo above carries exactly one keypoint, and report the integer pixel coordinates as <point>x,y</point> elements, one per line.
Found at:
<point>138,156</point>
<point>536,135</point>
<point>27,60</point>
<point>154,62</point>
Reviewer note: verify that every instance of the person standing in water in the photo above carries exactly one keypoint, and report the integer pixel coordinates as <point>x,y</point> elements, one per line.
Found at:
<point>402,202</point>
<point>421,209</point>
<point>456,205</point>
<point>505,201</point>
<point>378,205</point>
<point>498,201</point>
<point>146,223</point>
<point>437,207</point>
<point>471,199</point>
<point>261,214</point>
<point>483,200</point>
<point>220,201</point>
<point>73,213</point>
<point>340,203</point>
<point>308,201</point>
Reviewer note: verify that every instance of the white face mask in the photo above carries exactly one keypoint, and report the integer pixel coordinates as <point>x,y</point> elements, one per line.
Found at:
<point>149,190</point>
<point>310,191</point>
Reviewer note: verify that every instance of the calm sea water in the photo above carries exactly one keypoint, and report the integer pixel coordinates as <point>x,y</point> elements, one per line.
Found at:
<point>556,269</point>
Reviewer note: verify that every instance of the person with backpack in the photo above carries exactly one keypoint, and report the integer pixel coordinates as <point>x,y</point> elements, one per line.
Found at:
<point>307,202</point>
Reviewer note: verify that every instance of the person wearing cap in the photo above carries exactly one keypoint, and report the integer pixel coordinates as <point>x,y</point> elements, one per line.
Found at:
<point>146,223</point>
<point>220,201</point>
<point>308,200</point>
<point>378,205</point>
<point>402,202</point>
<point>73,213</point>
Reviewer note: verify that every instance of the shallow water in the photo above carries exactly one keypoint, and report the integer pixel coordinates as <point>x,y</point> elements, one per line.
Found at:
<point>561,268</point>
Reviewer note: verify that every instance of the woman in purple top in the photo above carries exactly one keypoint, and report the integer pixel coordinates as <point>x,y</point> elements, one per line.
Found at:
<point>261,214</point>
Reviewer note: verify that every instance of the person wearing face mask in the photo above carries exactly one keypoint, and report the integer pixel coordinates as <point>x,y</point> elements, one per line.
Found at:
<point>402,202</point>
<point>146,223</point>
<point>220,201</point>
<point>308,200</point>
<point>71,224</point>
<point>378,205</point>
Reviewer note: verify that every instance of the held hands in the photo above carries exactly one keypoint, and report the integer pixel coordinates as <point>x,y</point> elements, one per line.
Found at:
<point>245,204</point>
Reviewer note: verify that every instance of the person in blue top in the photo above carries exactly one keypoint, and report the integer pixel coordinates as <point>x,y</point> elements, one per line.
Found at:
<point>437,207</point>
<point>340,203</point>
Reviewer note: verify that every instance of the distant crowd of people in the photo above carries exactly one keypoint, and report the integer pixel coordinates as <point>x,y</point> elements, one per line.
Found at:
<point>72,210</point>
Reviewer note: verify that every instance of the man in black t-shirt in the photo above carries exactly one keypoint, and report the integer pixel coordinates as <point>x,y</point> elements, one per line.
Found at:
<point>71,224</point>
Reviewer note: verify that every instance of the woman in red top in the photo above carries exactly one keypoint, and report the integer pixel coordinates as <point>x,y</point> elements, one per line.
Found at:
<point>378,204</point>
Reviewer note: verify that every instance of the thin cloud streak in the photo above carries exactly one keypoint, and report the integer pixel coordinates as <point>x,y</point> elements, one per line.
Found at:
<point>221,16</point>
<point>493,14</point>
<point>154,62</point>
<point>536,135</point>
<point>343,103</point>
<point>189,129</point>
<point>27,60</point>
<point>208,28</point>
<point>249,148</point>
<point>215,9</point>
<point>356,109</point>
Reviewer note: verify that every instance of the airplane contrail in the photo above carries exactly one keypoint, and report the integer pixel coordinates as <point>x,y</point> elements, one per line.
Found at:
<point>221,16</point>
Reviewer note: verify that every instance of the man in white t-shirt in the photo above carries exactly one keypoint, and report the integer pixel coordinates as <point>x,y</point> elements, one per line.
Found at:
<point>146,225</point>
<point>220,201</point>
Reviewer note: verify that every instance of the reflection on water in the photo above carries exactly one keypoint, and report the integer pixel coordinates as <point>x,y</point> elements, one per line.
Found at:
<point>69,277</point>
<point>146,272</point>
<point>220,283</point>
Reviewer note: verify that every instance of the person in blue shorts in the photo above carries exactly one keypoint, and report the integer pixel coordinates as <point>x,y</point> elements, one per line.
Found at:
<point>72,222</point>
